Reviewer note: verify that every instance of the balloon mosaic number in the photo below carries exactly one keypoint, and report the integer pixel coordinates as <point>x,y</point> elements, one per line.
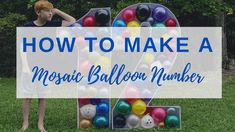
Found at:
<point>135,113</point>
<point>127,113</point>
<point>93,112</point>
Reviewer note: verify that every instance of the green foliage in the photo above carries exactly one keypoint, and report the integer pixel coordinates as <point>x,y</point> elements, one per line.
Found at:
<point>203,7</point>
<point>16,6</point>
<point>179,7</point>
<point>11,21</point>
<point>8,26</point>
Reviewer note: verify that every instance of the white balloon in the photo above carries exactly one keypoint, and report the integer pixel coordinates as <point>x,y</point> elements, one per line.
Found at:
<point>146,93</point>
<point>104,93</point>
<point>88,111</point>
<point>147,121</point>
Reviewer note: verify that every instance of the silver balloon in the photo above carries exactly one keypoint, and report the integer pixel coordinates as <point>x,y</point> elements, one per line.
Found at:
<point>171,111</point>
<point>133,121</point>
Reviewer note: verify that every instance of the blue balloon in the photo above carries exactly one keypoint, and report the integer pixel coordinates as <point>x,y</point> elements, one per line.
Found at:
<point>119,23</point>
<point>102,108</point>
<point>100,121</point>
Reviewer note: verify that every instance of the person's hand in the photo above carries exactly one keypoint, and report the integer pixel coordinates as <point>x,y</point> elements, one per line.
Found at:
<point>68,20</point>
<point>54,11</point>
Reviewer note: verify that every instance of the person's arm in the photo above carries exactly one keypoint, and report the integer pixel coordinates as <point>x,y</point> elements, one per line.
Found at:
<point>68,20</point>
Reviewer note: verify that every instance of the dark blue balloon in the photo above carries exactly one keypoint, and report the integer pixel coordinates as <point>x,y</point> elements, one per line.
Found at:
<point>102,17</point>
<point>119,121</point>
<point>146,100</point>
<point>143,12</point>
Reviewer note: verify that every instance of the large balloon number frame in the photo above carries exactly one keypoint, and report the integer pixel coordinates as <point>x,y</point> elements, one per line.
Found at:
<point>128,113</point>
<point>135,113</point>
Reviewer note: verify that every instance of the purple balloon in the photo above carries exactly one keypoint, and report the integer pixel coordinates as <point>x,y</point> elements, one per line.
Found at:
<point>159,14</point>
<point>95,101</point>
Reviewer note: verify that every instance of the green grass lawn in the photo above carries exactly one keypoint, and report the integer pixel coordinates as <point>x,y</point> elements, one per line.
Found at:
<point>197,114</point>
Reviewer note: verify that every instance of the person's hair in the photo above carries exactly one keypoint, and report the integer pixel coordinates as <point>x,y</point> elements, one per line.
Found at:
<point>43,4</point>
